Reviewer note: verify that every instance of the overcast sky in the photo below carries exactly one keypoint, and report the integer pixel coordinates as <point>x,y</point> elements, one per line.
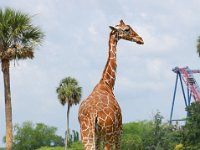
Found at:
<point>76,45</point>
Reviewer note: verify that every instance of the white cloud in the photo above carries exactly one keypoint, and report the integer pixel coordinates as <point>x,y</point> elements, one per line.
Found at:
<point>158,69</point>
<point>155,67</point>
<point>92,30</point>
<point>156,42</point>
<point>127,83</point>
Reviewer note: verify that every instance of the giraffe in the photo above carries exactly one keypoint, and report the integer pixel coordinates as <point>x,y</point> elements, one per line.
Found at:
<point>100,115</point>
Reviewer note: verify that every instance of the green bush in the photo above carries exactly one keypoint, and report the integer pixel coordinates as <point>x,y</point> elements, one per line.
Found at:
<point>191,130</point>
<point>51,148</point>
<point>76,146</point>
<point>134,133</point>
<point>150,135</point>
<point>31,136</point>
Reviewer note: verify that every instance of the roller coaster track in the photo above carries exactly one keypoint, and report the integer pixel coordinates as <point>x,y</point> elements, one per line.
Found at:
<point>186,75</point>
<point>189,80</point>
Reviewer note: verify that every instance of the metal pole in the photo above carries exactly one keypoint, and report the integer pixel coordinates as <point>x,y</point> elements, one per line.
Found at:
<point>183,90</point>
<point>172,108</point>
<point>189,98</point>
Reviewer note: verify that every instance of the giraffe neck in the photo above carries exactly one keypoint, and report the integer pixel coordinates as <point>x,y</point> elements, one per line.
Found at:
<point>109,73</point>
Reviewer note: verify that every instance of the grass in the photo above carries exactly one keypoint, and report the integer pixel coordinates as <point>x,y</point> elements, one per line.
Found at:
<point>51,148</point>
<point>74,146</point>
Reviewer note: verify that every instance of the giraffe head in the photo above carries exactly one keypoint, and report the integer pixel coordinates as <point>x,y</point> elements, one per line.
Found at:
<point>125,32</point>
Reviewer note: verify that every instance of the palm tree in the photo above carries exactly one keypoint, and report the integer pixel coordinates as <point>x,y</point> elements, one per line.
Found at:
<point>69,92</point>
<point>198,46</point>
<point>18,38</point>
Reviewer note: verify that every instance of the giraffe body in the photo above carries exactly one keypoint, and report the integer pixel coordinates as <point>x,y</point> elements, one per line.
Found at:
<point>103,115</point>
<point>100,114</point>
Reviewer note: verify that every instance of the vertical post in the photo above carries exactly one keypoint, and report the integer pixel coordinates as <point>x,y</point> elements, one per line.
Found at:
<point>183,91</point>
<point>172,108</point>
<point>189,97</point>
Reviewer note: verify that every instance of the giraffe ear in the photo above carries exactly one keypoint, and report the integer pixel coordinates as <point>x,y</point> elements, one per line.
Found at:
<point>122,22</point>
<point>113,28</point>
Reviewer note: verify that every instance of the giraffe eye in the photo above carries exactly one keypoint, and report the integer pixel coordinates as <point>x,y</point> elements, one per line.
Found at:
<point>126,30</point>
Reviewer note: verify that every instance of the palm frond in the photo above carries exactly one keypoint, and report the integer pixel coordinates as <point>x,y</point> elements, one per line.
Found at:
<point>16,29</point>
<point>14,53</point>
<point>69,91</point>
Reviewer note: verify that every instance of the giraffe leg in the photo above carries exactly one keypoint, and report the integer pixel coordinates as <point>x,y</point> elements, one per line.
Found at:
<point>118,142</point>
<point>98,143</point>
<point>87,134</point>
<point>89,147</point>
<point>89,141</point>
<point>117,145</point>
<point>107,147</point>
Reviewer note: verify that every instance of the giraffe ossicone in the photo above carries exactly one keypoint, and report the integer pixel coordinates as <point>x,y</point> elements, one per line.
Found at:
<point>100,115</point>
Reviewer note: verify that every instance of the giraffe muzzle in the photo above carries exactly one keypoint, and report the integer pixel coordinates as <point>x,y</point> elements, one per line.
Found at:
<point>138,40</point>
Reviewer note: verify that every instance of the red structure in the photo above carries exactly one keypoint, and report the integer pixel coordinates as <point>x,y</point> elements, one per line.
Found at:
<point>186,75</point>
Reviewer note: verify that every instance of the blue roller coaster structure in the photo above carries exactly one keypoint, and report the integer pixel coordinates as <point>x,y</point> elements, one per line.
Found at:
<point>186,77</point>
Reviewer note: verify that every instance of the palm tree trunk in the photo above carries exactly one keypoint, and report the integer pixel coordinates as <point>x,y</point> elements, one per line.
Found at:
<point>67,135</point>
<point>8,106</point>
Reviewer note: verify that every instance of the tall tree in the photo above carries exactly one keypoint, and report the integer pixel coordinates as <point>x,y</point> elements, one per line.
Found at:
<point>69,92</point>
<point>198,46</point>
<point>191,131</point>
<point>29,136</point>
<point>18,38</point>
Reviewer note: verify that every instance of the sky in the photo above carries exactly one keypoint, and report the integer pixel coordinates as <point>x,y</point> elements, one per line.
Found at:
<point>76,45</point>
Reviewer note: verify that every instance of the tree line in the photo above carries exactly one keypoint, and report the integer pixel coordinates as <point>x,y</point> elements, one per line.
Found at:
<point>141,135</point>
<point>28,136</point>
<point>156,135</point>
